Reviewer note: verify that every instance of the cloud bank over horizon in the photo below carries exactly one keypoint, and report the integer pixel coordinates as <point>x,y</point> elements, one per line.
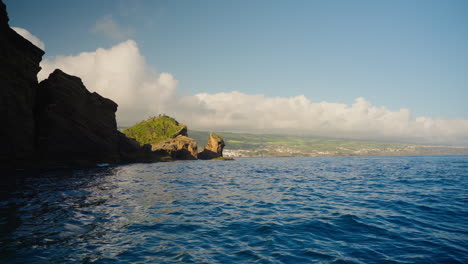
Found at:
<point>122,74</point>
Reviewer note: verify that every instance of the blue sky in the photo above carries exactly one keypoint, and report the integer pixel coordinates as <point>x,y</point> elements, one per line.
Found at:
<point>393,70</point>
<point>411,54</point>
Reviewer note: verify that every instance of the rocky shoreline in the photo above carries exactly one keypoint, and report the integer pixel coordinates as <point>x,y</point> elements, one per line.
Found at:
<point>58,122</point>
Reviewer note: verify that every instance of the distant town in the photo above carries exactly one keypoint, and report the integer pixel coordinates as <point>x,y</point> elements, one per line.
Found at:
<point>241,145</point>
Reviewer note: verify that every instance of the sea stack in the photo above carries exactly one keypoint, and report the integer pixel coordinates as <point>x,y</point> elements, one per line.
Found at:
<point>213,149</point>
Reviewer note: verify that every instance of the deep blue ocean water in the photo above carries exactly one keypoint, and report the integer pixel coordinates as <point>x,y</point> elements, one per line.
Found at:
<point>278,210</point>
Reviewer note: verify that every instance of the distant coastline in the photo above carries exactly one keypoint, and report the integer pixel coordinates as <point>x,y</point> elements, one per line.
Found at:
<point>243,145</point>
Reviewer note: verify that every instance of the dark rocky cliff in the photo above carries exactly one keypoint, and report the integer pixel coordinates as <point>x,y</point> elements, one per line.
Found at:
<point>74,124</point>
<point>57,122</point>
<point>19,65</point>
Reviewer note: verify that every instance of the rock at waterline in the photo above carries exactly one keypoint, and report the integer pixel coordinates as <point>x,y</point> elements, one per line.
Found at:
<point>213,149</point>
<point>179,148</point>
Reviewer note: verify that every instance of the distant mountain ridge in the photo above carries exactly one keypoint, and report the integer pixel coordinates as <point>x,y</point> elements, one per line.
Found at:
<point>269,145</point>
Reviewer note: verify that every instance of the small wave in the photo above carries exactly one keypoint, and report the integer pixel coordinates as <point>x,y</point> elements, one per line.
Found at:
<point>310,210</point>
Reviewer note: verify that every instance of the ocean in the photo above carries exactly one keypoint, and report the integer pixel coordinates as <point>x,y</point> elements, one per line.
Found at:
<point>411,209</point>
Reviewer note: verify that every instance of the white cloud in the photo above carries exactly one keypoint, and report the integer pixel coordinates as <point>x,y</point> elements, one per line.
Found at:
<point>121,73</point>
<point>236,111</point>
<point>110,29</point>
<point>27,35</point>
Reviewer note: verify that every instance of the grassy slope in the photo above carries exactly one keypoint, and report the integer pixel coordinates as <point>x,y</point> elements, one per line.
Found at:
<point>153,130</point>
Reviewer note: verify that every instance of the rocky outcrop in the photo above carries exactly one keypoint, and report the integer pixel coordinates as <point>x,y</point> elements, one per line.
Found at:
<point>178,148</point>
<point>57,122</point>
<point>168,138</point>
<point>73,123</point>
<point>19,65</point>
<point>60,123</point>
<point>213,149</point>
<point>156,130</point>
<point>77,127</point>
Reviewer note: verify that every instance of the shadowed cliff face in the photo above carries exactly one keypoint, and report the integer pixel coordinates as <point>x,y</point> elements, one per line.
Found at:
<point>74,124</point>
<point>57,122</point>
<point>19,65</point>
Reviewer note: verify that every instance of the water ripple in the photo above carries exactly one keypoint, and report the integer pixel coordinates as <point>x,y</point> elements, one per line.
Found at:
<point>285,210</point>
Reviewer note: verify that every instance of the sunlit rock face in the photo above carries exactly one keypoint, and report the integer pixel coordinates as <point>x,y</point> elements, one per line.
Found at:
<point>214,147</point>
<point>168,138</point>
<point>178,148</point>
<point>19,65</point>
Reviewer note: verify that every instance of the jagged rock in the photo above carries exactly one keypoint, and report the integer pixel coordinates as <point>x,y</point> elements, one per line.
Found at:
<point>73,123</point>
<point>19,65</point>
<point>57,122</point>
<point>179,148</point>
<point>75,126</point>
<point>213,149</point>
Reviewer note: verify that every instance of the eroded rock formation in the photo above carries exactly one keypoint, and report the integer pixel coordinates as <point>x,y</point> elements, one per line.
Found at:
<point>178,148</point>
<point>57,122</point>
<point>168,137</point>
<point>213,149</point>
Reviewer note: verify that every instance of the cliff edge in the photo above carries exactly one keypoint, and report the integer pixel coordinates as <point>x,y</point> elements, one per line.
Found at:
<point>19,65</point>
<point>57,122</point>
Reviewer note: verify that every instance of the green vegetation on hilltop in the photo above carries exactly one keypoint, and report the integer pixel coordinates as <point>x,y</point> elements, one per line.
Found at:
<point>155,129</point>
